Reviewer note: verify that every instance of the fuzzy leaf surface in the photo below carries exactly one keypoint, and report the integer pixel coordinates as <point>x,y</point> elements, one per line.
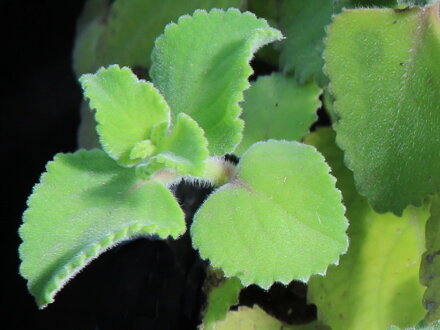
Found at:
<point>220,299</point>
<point>389,116</point>
<point>304,23</point>
<point>201,66</point>
<point>430,267</point>
<point>280,219</point>
<point>277,107</point>
<point>125,32</point>
<point>85,204</point>
<point>126,109</point>
<point>185,149</point>
<point>376,282</point>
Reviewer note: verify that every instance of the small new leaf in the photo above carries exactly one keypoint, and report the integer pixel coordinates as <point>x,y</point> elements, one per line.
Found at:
<point>184,150</point>
<point>201,66</point>
<point>126,110</point>
<point>84,204</point>
<point>280,219</point>
<point>277,107</point>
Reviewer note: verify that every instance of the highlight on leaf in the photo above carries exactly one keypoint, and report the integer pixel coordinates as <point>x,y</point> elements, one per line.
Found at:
<point>201,67</point>
<point>85,204</point>
<point>280,219</point>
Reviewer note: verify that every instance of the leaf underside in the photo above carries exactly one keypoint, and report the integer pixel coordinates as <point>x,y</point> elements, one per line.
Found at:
<point>280,219</point>
<point>388,111</point>
<point>126,109</point>
<point>277,107</point>
<point>376,283</point>
<point>85,204</point>
<point>201,66</point>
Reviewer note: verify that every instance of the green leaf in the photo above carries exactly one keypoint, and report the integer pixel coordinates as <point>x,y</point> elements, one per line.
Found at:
<point>85,204</point>
<point>430,267</point>
<point>276,107</point>
<point>125,32</point>
<point>184,150</point>
<point>246,318</point>
<point>376,283</point>
<point>385,77</point>
<point>201,66</point>
<point>220,299</point>
<point>303,23</point>
<point>279,219</point>
<point>126,109</point>
<point>323,139</point>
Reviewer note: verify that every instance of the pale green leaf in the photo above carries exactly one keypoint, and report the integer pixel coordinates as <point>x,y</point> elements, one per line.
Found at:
<point>126,109</point>
<point>85,204</point>
<point>246,318</point>
<point>279,219</point>
<point>201,66</point>
<point>430,267</point>
<point>277,107</point>
<point>125,32</point>
<point>419,326</point>
<point>220,299</point>
<point>376,283</point>
<point>185,149</point>
<point>385,76</point>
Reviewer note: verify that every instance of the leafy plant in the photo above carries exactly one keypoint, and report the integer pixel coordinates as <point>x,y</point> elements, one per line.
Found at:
<point>282,213</point>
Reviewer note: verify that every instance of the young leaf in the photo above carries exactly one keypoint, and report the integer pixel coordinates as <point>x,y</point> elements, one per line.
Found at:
<point>220,299</point>
<point>201,66</point>
<point>384,72</point>
<point>85,204</point>
<point>276,107</point>
<point>279,219</point>
<point>376,283</point>
<point>126,109</point>
<point>430,267</point>
<point>185,149</point>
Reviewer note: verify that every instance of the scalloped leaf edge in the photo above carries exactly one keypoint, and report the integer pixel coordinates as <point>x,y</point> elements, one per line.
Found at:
<point>227,269</point>
<point>253,44</point>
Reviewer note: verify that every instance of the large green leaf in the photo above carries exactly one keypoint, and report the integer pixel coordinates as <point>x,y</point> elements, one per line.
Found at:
<point>430,267</point>
<point>385,76</point>
<point>125,32</point>
<point>304,23</point>
<point>126,109</point>
<point>376,283</point>
<point>277,107</point>
<point>201,66</point>
<point>85,204</point>
<point>279,219</point>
